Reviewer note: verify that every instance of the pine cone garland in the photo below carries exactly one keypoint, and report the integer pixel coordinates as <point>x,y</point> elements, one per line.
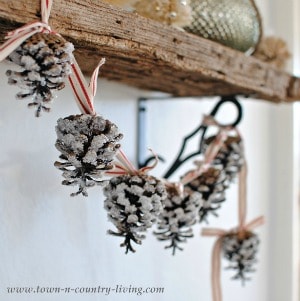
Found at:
<point>230,156</point>
<point>241,252</point>
<point>87,145</point>
<point>211,185</point>
<point>133,204</point>
<point>45,60</point>
<point>179,214</point>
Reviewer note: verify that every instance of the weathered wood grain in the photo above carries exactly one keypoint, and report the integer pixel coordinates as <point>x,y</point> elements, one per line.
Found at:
<point>149,55</point>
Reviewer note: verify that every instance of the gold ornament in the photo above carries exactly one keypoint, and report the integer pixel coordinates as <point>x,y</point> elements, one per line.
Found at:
<point>233,23</point>
<point>171,12</point>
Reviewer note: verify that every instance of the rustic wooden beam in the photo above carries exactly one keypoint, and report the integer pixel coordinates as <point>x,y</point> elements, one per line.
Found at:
<point>149,55</point>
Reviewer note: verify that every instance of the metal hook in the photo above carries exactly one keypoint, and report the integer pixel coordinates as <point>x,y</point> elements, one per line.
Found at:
<point>230,99</point>
<point>179,160</point>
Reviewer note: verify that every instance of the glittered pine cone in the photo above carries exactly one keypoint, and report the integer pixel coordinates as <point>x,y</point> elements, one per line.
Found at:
<point>179,214</point>
<point>45,60</point>
<point>87,144</point>
<point>211,184</point>
<point>230,157</point>
<point>133,204</point>
<point>241,251</point>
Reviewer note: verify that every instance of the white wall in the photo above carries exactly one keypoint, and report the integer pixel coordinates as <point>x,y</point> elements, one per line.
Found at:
<point>52,240</point>
<point>49,239</point>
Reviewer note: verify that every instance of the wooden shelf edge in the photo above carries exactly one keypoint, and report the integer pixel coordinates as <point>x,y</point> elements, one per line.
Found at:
<point>152,56</point>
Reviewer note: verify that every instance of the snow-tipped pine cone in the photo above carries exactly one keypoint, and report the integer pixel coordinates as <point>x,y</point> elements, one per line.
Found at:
<point>133,204</point>
<point>45,61</point>
<point>179,214</point>
<point>88,145</point>
<point>211,184</point>
<point>230,156</point>
<point>241,252</point>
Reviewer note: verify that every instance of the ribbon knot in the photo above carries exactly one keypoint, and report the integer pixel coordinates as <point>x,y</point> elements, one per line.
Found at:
<point>124,167</point>
<point>16,37</point>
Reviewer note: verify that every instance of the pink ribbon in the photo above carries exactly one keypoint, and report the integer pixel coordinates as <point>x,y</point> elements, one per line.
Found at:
<point>124,167</point>
<point>220,233</point>
<point>209,120</point>
<point>84,93</point>
<point>16,37</point>
<point>212,150</point>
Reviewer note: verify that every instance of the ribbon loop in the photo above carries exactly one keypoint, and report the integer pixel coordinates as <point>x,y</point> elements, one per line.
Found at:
<point>84,93</point>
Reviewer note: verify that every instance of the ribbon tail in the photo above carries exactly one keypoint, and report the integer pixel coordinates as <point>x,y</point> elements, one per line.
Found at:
<point>213,232</point>
<point>126,164</point>
<point>81,90</point>
<point>192,175</point>
<point>216,271</point>
<point>118,169</point>
<point>93,82</point>
<point>255,223</point>
<point>12,44</point>
<point>242,196</point>
<point>214,147</point>
<point>147,168</point>
<point>46,6</point>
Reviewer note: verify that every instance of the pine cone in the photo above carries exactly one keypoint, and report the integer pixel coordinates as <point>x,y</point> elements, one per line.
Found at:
<point>179,214</point>
<point>45,61</point>
<point>211,185</point>
<point>230,156</point>
<point>133,204</point>
<point>241,252</point>
<point>87,145</point>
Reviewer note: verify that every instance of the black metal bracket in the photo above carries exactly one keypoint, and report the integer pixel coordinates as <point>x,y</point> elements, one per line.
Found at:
<point>201,130</point>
